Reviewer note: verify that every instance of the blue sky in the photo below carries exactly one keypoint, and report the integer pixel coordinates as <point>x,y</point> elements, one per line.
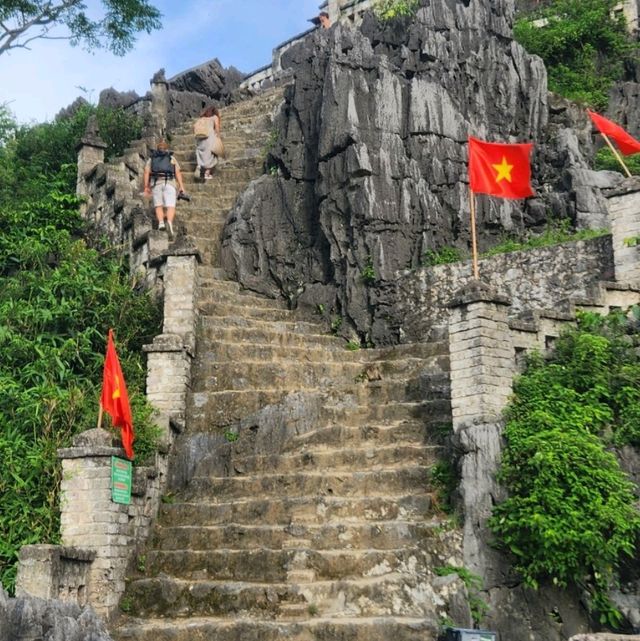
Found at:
<point>36,84</point>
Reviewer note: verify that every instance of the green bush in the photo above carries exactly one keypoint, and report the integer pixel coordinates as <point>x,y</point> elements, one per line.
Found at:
<point>584,45</point>
<point>58,298</point>
<point>571,513</point>
<point>606,160</point>
<point>386,10</point>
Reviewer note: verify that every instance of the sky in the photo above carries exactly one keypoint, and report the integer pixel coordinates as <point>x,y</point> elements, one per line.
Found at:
<point>35,84</point>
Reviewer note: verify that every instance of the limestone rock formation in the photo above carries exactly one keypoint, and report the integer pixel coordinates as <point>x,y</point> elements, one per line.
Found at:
<point>209,79</point>
<point>30,619</point>
<point>367,171</point>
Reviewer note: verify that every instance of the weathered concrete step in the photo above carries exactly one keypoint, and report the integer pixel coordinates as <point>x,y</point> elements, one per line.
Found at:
<point>313,629</point>
<point>211,330</point>
<point>211,291</point>
<point>384,535</point>
<point>235,461</point>
<point>220,309</point>
<point>432,417</point>
<point>366,483</point>
<point>314,509</point>
<point>210,412</point>
<point>279,375</point>
<point>369,398</point>
<point>218,323</point>
<point>264,565</point>
<point>374,596</point>
<point>248,364</point>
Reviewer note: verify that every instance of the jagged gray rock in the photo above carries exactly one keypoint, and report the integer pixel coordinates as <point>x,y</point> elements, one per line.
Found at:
<point>113,99</point>
<point>372,162</point>
<point>30,619</point>
<point>210,79</point>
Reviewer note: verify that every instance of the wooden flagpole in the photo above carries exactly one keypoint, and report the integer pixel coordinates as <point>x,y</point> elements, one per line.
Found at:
<point>616,154</point>
<point>100,414</point>
<point>474,243</point>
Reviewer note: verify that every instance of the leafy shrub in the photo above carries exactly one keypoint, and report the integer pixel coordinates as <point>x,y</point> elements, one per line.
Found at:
<point>606,160</point>
<point>571,513</point>
<point>387,10</point>
<point>57,300</point>
<point>443,256</point>
<point>583,43</point>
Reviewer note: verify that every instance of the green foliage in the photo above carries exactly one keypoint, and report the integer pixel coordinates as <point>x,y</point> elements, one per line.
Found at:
<point>571,513</point>
<point>442,256</point>
<point>554,234</point>
<point>58,299</point>
<point>368,273</point>
<point>230,436</point>
<point>114,25</point>
<point>583,43</point>
<point>35,158</point>
<point>444,478</point>
<point>353,346</point>
<point>606,160</point>
<point>387,10</point>
<point>336,324</point>
<point>478,606</point>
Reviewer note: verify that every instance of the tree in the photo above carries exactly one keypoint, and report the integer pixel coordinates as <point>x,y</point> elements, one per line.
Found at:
<point>23,21</point>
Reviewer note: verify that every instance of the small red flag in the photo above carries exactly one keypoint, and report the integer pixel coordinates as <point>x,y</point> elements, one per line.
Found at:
<point>500,169</point>
<point>114,398</point>
<point>626,142</point>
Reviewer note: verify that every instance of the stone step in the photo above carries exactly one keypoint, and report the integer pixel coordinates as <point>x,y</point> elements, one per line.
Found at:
<point>385,535</point>
<point>265,565</point>
<point>372,596</point>
<point>214,308</point>
<point>343,483</point>
<point>314,509</point>
<point>312,629</point>
<point>213,330</point>
<point>289,374</point>
<point>219,323</point>
<point>235,460</point>
<point>211,291</point>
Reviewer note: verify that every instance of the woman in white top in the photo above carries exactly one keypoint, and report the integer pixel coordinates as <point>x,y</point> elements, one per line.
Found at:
<point>206,159</point>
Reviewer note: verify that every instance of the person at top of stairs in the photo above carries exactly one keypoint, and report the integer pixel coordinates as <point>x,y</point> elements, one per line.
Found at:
<point>161,172</point>
<point>207,133</point>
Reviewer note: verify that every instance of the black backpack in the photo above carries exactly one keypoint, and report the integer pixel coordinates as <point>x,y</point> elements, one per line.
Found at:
<point>161,165</point>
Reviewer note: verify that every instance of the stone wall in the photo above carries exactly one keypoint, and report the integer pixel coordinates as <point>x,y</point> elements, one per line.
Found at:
<point>549,278</point>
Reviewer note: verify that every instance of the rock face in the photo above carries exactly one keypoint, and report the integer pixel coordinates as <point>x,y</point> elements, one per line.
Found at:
<point>209,79</point>
<point>371,158</point>
<point>28,619</point>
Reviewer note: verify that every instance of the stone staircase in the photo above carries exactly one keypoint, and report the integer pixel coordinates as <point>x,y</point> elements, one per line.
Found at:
<point>308,512</point>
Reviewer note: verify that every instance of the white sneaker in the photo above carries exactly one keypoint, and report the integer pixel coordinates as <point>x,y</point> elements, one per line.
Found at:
<point>161,226</point>
<point>170,228</point>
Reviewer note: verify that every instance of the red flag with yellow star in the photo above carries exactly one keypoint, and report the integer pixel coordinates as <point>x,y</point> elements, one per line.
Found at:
<point>500,169</point>
<point>114,398</point>
<point>627,144</point>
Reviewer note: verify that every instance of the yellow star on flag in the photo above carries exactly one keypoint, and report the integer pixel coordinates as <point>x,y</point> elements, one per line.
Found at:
<point>116,391</point>
<point>504,170</point>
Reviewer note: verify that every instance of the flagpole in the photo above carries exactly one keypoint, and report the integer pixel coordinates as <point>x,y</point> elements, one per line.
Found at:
<point>616,154</point>
<point>100,413</point>
<point>474,244</point>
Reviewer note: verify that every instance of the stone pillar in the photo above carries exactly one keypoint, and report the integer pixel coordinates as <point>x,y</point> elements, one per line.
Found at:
<point>91,520</point>
<point>90,154</point>
<point>624,214</point>
<point>170,354</point>
<point>482,369</point>
<point>159,107</point>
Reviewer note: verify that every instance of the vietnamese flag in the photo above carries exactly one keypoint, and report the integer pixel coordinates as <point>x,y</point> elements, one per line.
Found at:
<point>114,398</point>
<point>626,142</point>
<point>500,169</point>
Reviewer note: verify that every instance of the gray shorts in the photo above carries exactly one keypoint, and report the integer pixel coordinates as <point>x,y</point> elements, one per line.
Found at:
<point>164,194</point>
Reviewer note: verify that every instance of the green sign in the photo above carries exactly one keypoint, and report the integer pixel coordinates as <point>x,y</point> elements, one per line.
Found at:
<point>121,475</point>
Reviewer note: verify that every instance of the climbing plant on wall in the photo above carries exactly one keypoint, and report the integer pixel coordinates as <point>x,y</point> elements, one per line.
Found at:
<point>571,514</point>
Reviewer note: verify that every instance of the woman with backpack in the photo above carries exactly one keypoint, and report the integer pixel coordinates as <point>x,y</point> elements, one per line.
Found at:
<point>208,142</point>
